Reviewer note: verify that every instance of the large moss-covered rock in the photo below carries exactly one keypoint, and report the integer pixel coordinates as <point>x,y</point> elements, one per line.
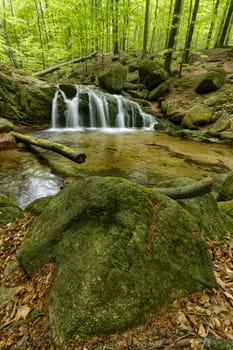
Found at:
<point>113,79</point>
<point>25,99</point>
<point>226,190</point>
<point>146,67</point>
<point>121,251</point>
<point>155,78</point>
<point>212,221</point>
<point>223,123</point>
<point>199,114</point>
<point>159,91</point>
<point>9,211</point>
<point>212,80</point>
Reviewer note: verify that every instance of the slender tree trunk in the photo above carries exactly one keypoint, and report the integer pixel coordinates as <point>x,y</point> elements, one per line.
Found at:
<point>188,41</point>
<point>172,34</point>
<point>40,33</point>
<point>226,25</point>
<point>146,27</point>
<point>9,51</point>
<point>152,45</point>
<point>115,27</point>
<point>212,24</point>
<point>169,21</point>
<point>227,4</point>
<point>15,36</point>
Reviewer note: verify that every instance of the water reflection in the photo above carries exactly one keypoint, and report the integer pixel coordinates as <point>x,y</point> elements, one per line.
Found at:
<point>23,178</point>
<point>143,156</point>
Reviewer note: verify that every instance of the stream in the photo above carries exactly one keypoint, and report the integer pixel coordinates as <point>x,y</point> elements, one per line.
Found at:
<point>143,156</point>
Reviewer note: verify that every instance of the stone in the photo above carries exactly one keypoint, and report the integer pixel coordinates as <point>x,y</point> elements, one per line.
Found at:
<point>155,78</point>
<point>223,123</point>
<point>146,67</point>
<point>159,90</point>
<point>211,81</point>
<point>9,211</point>
<point>7,141</point>
<point>121,251</point>
<point>5,125</point>
<point>199,114</point>
<point>226,190</point>
<point>113,79</point>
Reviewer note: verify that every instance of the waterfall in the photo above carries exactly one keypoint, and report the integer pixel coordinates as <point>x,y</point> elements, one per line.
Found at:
<point>91,108</point>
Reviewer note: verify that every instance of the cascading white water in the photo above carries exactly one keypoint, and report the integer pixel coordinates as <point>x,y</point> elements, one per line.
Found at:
<point>91,108</point>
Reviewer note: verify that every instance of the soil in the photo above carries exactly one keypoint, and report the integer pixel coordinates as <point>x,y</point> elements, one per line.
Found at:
<point>203,320</point>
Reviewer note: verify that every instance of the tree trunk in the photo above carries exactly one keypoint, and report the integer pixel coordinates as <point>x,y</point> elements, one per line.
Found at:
<point>146,25</point>
<point>195,190</point>
<point>188,41</point>
<point>58,66</point>
<point>226,25</point>
<point>172,35</point>
<point>52,146</point>
<point>212,24</point>
<point>190,32</point>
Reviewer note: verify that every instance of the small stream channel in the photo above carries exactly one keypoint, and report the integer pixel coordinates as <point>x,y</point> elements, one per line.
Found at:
<point>144,156</point>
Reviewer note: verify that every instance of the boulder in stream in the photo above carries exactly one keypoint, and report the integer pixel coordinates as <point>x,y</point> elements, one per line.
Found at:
<point>121,251</point>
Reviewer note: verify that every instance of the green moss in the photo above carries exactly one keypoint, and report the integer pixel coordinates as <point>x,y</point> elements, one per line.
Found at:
<point>121,251</point>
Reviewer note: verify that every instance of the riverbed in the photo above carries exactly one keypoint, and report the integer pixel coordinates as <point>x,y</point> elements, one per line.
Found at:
<point>143,156</point>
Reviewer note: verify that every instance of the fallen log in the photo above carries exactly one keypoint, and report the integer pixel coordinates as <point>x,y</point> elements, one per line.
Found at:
<point>52,146</point>
<point>189,191</point>
<point>58,66</point>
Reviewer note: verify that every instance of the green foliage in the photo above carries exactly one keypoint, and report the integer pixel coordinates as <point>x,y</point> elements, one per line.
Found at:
<point>44,32</point>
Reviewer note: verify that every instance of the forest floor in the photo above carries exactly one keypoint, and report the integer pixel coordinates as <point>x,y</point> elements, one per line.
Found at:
<point>203,320</point>
<point>198,320</point>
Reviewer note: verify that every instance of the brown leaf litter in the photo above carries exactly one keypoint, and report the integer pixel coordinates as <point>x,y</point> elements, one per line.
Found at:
<point>193,322</point>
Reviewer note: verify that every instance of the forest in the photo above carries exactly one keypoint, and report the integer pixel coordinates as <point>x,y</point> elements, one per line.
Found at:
<point>116,174</point>
<point>39,33</point>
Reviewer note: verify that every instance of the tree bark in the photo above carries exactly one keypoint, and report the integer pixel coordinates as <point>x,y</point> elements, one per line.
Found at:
<point>172,35</point>
<point>52,146</point>
<point>184,192</point>
<point>58,66</point>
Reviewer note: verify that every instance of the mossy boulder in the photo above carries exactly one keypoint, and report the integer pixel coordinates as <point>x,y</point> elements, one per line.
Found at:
<point>204,209</point>
<point>226,207</point>
<point>113,78</point>
<point>25,99</point>
<point>5,125</point>
<point>223,123</point>
<point>211,81</point>
<point>226,190</point>
<point>199,115</point>
<point>159,91</point>
<point>9,211</point>
<point>146,67</point>
<point>121,251</point>
<point>155,78</point>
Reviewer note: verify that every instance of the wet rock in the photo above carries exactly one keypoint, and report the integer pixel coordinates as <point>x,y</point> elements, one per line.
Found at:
<point>211,81</point>
<point>7,141</point>
<point>121,252</point>
<point>226,136</point>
